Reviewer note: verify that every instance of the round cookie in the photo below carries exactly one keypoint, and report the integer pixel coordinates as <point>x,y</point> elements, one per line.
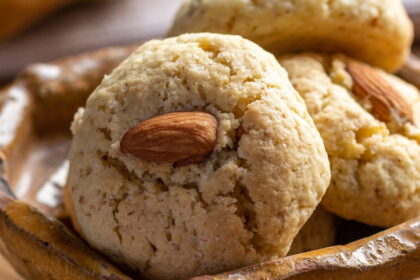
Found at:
<point>244,204</point>
<point>378,32</point>
<point>318,232</point>
<point>369,121</point>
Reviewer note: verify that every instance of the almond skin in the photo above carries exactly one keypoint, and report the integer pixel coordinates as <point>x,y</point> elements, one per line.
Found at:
<point>385,99</point>
<point>181,138</point>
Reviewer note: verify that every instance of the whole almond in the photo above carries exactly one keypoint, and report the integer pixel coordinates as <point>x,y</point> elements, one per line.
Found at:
<point>181,138</point>
<point>385,99</point>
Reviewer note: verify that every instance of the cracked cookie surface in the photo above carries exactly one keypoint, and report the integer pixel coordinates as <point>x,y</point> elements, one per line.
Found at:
<point>375,166</point>
<point>375,31</point>
<point>243,205</point>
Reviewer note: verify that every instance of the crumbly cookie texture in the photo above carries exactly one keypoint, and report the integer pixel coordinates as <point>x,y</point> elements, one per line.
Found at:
<point>375,165</point>
<point>243,205</point>
<point>318,232</point>
<point>378,32</point>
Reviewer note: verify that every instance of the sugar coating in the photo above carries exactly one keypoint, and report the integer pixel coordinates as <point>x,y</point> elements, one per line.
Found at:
<point>375,165</point>
<point>243,205</point>
<point>375,31</point>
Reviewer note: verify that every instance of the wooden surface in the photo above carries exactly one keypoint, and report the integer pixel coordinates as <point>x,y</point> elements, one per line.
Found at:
<point>393,254</point>
<point>7,272</point>
<point>30,167</point>
<point>17,16</point>
<point>87,27</point>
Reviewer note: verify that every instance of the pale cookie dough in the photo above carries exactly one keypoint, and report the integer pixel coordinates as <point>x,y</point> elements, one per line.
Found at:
<point>318,232</point>
<point>375,165</point>
<point>243,205</point>
<point>376,31</point>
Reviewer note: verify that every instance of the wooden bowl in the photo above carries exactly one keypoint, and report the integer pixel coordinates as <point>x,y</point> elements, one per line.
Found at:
<point>16,16</point>
<point>35,114</point>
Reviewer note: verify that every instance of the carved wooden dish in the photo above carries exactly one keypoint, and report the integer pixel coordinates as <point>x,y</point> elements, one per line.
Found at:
<point>36,237</point>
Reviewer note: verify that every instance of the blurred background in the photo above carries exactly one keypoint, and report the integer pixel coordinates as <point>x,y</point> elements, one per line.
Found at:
<point>66,27</point>
<point>55,28</point>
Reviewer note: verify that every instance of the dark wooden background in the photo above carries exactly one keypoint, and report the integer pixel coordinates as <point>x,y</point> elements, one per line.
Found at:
<point>86,27</point>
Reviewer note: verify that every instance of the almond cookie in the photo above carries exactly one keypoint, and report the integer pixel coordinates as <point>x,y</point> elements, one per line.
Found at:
<point>378,32</point>
<point>369,121</point>
<point>227,181</point>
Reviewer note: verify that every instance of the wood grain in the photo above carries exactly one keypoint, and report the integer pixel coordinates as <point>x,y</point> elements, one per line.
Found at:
<point>393,254</point>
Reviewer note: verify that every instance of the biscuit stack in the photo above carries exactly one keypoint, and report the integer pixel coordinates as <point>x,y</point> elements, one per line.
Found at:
<point>369,119</point>
<point>184,203</point>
